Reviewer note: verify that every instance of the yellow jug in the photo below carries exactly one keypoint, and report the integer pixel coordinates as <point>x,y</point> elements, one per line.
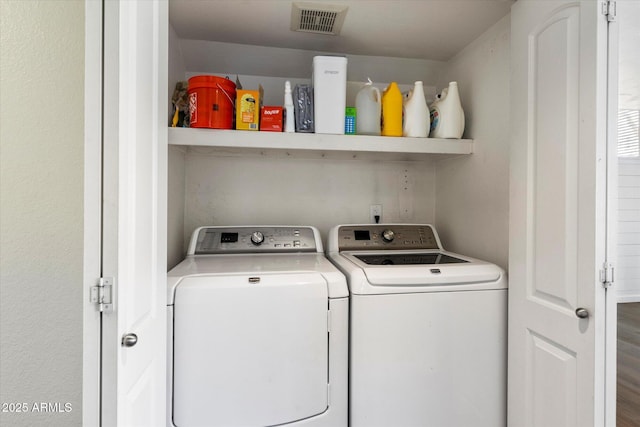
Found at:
<point>392,110</point>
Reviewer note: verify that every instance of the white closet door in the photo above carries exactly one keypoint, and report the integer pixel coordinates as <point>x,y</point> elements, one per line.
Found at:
<point>558,214</point>
<point>134,212</point>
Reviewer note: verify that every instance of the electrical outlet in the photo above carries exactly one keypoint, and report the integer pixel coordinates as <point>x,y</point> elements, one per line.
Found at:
<point>375,211</point>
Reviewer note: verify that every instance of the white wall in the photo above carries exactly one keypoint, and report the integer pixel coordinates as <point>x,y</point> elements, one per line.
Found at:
<point>627,280</point>
<point>472,192</point>
<point>210,188</point>
<point>230,58</point>
<point>41,209</point>
<point>176,248</point>
<point>252,189</point>
<point>176,163</point>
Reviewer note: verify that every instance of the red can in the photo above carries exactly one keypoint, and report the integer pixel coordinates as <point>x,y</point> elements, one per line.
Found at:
<point>211,102</point>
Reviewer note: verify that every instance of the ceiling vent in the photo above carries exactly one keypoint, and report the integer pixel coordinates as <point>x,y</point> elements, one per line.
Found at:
<point>317,17</point>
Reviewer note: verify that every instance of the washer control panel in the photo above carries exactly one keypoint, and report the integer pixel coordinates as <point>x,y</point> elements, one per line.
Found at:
<point>389,236</point>
<point>258,239</point>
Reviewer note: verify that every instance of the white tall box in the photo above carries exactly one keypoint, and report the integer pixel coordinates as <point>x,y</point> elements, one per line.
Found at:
<point>329,93</point>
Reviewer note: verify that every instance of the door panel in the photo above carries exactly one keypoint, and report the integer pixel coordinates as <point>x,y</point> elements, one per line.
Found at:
<point>552,367</point>
<point>134,212</point>
<point>553,105</point>
<point>557,214</point>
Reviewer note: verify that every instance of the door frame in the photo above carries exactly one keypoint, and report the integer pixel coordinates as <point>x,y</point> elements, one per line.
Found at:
<point>93,89</point>
<point>611,299</point>
<point>103,401</point>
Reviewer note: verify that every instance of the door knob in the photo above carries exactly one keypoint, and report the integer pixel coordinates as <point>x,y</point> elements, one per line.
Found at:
<point>582,313</point>
<point>129,340</point>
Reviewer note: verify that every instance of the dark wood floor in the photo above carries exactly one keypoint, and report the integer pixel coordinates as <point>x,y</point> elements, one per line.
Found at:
<point>628,410</point>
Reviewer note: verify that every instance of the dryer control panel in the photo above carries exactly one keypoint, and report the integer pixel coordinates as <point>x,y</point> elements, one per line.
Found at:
<point>254,239</point>
<point>387,236</point>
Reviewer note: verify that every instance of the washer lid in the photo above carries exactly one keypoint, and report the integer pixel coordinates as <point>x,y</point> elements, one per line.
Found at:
<point>402,270</point>
<point>431,258</point>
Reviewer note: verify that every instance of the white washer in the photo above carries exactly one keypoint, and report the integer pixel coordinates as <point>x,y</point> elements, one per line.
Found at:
<point>258,330</point>
<point>427,329</point>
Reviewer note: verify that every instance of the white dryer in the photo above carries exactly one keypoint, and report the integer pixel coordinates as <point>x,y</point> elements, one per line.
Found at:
<point>258,330</point>
<point>427,329</point>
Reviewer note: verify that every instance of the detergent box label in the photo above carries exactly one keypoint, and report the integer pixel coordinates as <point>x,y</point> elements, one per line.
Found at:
<point>248,103</point>
<point>271,119</point>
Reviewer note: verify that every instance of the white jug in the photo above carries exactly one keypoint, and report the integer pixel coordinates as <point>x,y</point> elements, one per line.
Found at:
<point>368,107</point>
<point>416,113</point>
<point>447,116</point>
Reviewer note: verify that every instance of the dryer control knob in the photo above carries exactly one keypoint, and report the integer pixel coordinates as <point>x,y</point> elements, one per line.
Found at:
<point>257,238</point>
<point>388,235</point>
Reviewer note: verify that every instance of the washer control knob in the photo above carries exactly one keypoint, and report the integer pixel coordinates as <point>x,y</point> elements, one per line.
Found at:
<point>388,235</point>
<point>257,238</point>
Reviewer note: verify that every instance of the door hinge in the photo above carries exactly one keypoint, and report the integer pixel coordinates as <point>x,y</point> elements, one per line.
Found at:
<point>609,10</point>
<point>102,294</point>
<point>606,275</point>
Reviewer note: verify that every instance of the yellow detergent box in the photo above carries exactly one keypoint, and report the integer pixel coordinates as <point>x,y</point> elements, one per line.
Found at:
<point>248,103</point>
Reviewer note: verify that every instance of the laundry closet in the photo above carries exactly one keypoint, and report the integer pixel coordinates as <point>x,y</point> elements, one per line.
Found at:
<point>535,137</point>
<point>227,177</point>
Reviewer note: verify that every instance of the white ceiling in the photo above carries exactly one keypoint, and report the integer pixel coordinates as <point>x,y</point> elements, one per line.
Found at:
<point>423,29</point>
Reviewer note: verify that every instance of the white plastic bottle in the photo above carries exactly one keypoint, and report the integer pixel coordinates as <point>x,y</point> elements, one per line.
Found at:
<point>289,120</point>
<point>368,108</point>
<point>416,113</point>
<point>447,116</point>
